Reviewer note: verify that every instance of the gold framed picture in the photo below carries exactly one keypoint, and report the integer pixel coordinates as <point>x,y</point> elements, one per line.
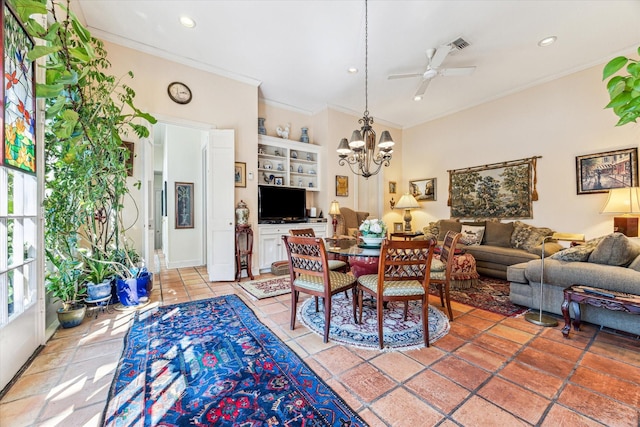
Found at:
<point>397,227</point>
<point>241,174</point>
<point>392,187</point>
<point>342,185</point>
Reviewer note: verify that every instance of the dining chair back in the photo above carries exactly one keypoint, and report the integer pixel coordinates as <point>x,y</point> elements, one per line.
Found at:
<point>310,274</point>
<point>442,277</point>
<point>403,275</point>
<point>334,264</point>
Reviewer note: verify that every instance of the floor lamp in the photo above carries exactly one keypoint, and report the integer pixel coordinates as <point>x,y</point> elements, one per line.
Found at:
<point>539,318</point>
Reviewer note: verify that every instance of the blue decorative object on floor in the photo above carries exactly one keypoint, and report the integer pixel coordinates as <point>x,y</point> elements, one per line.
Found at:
<point>398,333</point>
<point>211,362</point>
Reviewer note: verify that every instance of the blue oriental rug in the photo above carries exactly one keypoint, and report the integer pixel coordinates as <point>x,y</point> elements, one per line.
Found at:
<point>212,363</point>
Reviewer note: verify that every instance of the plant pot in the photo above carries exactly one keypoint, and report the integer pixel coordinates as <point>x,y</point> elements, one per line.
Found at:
<point>99,290</point>
<point>70,317</point>
<point>128,291</point>
<point>372,241</point>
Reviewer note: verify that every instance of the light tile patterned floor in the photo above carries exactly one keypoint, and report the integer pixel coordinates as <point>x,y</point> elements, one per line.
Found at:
<point>488,371</point>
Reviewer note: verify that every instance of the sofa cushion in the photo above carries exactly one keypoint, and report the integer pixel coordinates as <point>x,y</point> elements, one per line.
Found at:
<point>431,230</point>
<point>550,248</point>
<point>635,264</point>
<point>579,253</point>
<point>471,234</point>
<point>498,255</point>
<point>445,225</point>
<point>498,234</point>
<point>527,236</point>
<point>614,249</point>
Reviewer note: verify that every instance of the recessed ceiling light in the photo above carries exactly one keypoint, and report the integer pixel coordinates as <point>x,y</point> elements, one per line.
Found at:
<point>417,98</point>
<point>187,22</point>
<point>547,41</point>
<point>352,70</point>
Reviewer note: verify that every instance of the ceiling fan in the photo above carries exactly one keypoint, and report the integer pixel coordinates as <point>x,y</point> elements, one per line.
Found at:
<point>435,58</point>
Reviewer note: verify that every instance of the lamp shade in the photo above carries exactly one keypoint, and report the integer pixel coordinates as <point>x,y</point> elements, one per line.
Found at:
<point>334,209</point>
<point>407,201</point>
<point>623,201</point>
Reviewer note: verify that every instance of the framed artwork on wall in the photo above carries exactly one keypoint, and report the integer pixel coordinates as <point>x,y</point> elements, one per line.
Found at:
<point>342,185</point>
<point>18,145</point>
<point>424,190</point>
<point>398,227</point>
<point>392,187</point>
<point>184,205</point>
<point>241,174</point>
<point>600,172</point>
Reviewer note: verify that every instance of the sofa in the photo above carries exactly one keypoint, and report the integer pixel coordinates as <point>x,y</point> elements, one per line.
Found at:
<point>496,245</point>
<point>611,262</point>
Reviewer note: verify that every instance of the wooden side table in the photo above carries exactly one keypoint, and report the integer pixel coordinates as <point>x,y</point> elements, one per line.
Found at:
<point>244,250</point>
<point>611,300</point>
<point>406,235</point>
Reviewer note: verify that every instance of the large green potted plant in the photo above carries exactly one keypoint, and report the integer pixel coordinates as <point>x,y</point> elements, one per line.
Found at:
<point>65,284</point>
<point>88,111</point>
<point>624,89</point>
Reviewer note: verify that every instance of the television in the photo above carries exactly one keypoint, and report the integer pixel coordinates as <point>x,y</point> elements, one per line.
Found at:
<point>281,204</point>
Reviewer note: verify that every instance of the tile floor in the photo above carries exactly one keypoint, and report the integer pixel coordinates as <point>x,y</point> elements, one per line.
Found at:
<point>488,371</point>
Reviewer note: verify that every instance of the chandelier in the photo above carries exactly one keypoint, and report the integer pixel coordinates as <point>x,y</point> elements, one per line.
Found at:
<point>360,152</point>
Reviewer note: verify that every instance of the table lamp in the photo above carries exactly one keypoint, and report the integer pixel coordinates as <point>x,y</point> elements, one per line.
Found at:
<point>334,211</point>
<point>625,201</point>
<point>539,318</point>
<point>407,202</point>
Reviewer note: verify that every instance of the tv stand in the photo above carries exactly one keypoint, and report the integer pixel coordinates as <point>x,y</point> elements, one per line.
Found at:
<point>271,246</point>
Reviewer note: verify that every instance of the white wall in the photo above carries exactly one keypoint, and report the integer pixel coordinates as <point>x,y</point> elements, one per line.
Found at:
<point>558,120</point>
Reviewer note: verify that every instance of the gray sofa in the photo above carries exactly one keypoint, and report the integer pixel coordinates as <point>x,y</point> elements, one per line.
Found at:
<point>502,243</point>
<point>611,262</point>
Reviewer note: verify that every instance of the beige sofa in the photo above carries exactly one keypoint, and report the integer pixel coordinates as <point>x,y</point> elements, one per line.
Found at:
<point>501,244</point>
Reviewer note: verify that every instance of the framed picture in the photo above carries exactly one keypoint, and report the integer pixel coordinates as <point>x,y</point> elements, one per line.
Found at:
<point>18,145</point>
<point>342,185</point>
<point>392,187</point>
<point>424,190</point>
<point>241,174</point>
<point>600,172</point>
<point>131,148</point>
<point>397,227</point>
<point>278,180</point>
<point>184,204</point>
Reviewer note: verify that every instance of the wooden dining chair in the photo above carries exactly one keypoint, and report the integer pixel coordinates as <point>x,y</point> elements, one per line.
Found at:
<point>334,264</point>
<point>310,273</point>
<point>442,277</point>
<point>403,275</point>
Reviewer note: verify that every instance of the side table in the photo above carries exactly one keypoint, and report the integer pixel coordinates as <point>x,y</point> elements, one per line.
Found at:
<point>406,235</point>
<point>244,250</point>
<point>611,300</point>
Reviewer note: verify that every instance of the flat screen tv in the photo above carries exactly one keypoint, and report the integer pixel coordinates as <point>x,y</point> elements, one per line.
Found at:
<point>281,204</point>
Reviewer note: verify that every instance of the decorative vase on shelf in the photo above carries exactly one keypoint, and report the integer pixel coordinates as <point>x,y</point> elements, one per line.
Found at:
<point>261,129</point>
<point>242,213</point>
<point>305,136</point>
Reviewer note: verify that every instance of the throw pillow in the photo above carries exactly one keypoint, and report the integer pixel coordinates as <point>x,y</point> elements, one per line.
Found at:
<point>614,249</point>
<point>498,234</point>
<point>550,248</point>
<point>431,230</point>
<point>471,234</point>
<point>635,264</point>
<point>445,225</point>
<point>579,253</point>
<point>526,236</point>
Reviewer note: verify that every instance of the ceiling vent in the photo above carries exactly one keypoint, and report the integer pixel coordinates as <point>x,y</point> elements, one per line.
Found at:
<point>459,43</point>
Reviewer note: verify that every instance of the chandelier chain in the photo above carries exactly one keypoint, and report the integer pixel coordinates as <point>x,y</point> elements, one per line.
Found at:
<point>366,58</point>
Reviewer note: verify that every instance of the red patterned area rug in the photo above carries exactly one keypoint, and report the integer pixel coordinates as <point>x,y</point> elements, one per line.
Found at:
<point>489,294</point>
<point>266,288</point>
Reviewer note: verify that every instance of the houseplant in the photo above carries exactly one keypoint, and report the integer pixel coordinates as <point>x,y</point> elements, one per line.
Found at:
<point>64,284</point>
<point>99,276</point>
<point>373,231</point>
<point>88,111</point>
<point>624,90</point>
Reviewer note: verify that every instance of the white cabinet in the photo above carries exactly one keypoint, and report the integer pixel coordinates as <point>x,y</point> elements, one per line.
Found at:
<point>271,245</point>
<point>288,163</point>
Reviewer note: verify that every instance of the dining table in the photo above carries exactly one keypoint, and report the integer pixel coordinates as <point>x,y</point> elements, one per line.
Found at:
<point>362,259</point>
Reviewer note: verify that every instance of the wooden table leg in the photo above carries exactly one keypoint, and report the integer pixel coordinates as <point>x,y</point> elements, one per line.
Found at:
<point>576,312</point>
<point>565,314</point>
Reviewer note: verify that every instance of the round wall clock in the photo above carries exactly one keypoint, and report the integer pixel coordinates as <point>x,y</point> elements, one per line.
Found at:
<point>179,92</point>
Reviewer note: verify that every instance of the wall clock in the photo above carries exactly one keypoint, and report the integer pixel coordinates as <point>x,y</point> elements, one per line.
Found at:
<point>179,92</point>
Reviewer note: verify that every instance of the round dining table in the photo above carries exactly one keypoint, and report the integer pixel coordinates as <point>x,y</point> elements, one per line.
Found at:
<point>362,259</point>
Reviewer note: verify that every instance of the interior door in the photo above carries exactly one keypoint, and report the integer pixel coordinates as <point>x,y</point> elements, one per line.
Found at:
<point>149,206</point>
<point>220,205</point>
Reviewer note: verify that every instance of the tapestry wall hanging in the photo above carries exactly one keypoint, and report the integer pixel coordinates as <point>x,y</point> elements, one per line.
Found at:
<point>19,112</point>
<point>499,190</point>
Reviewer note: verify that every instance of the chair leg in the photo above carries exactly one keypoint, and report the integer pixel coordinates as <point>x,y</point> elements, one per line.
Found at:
<point>360,302</point>
<point>448,300</point>
<point>380,330</point>
<point>439,286</point>
<point>317,309</point>
<point>406,310</point>
<point>327,317</point>
<point>354,292</point>
<point>294,303</point>
<point>425,320</point>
